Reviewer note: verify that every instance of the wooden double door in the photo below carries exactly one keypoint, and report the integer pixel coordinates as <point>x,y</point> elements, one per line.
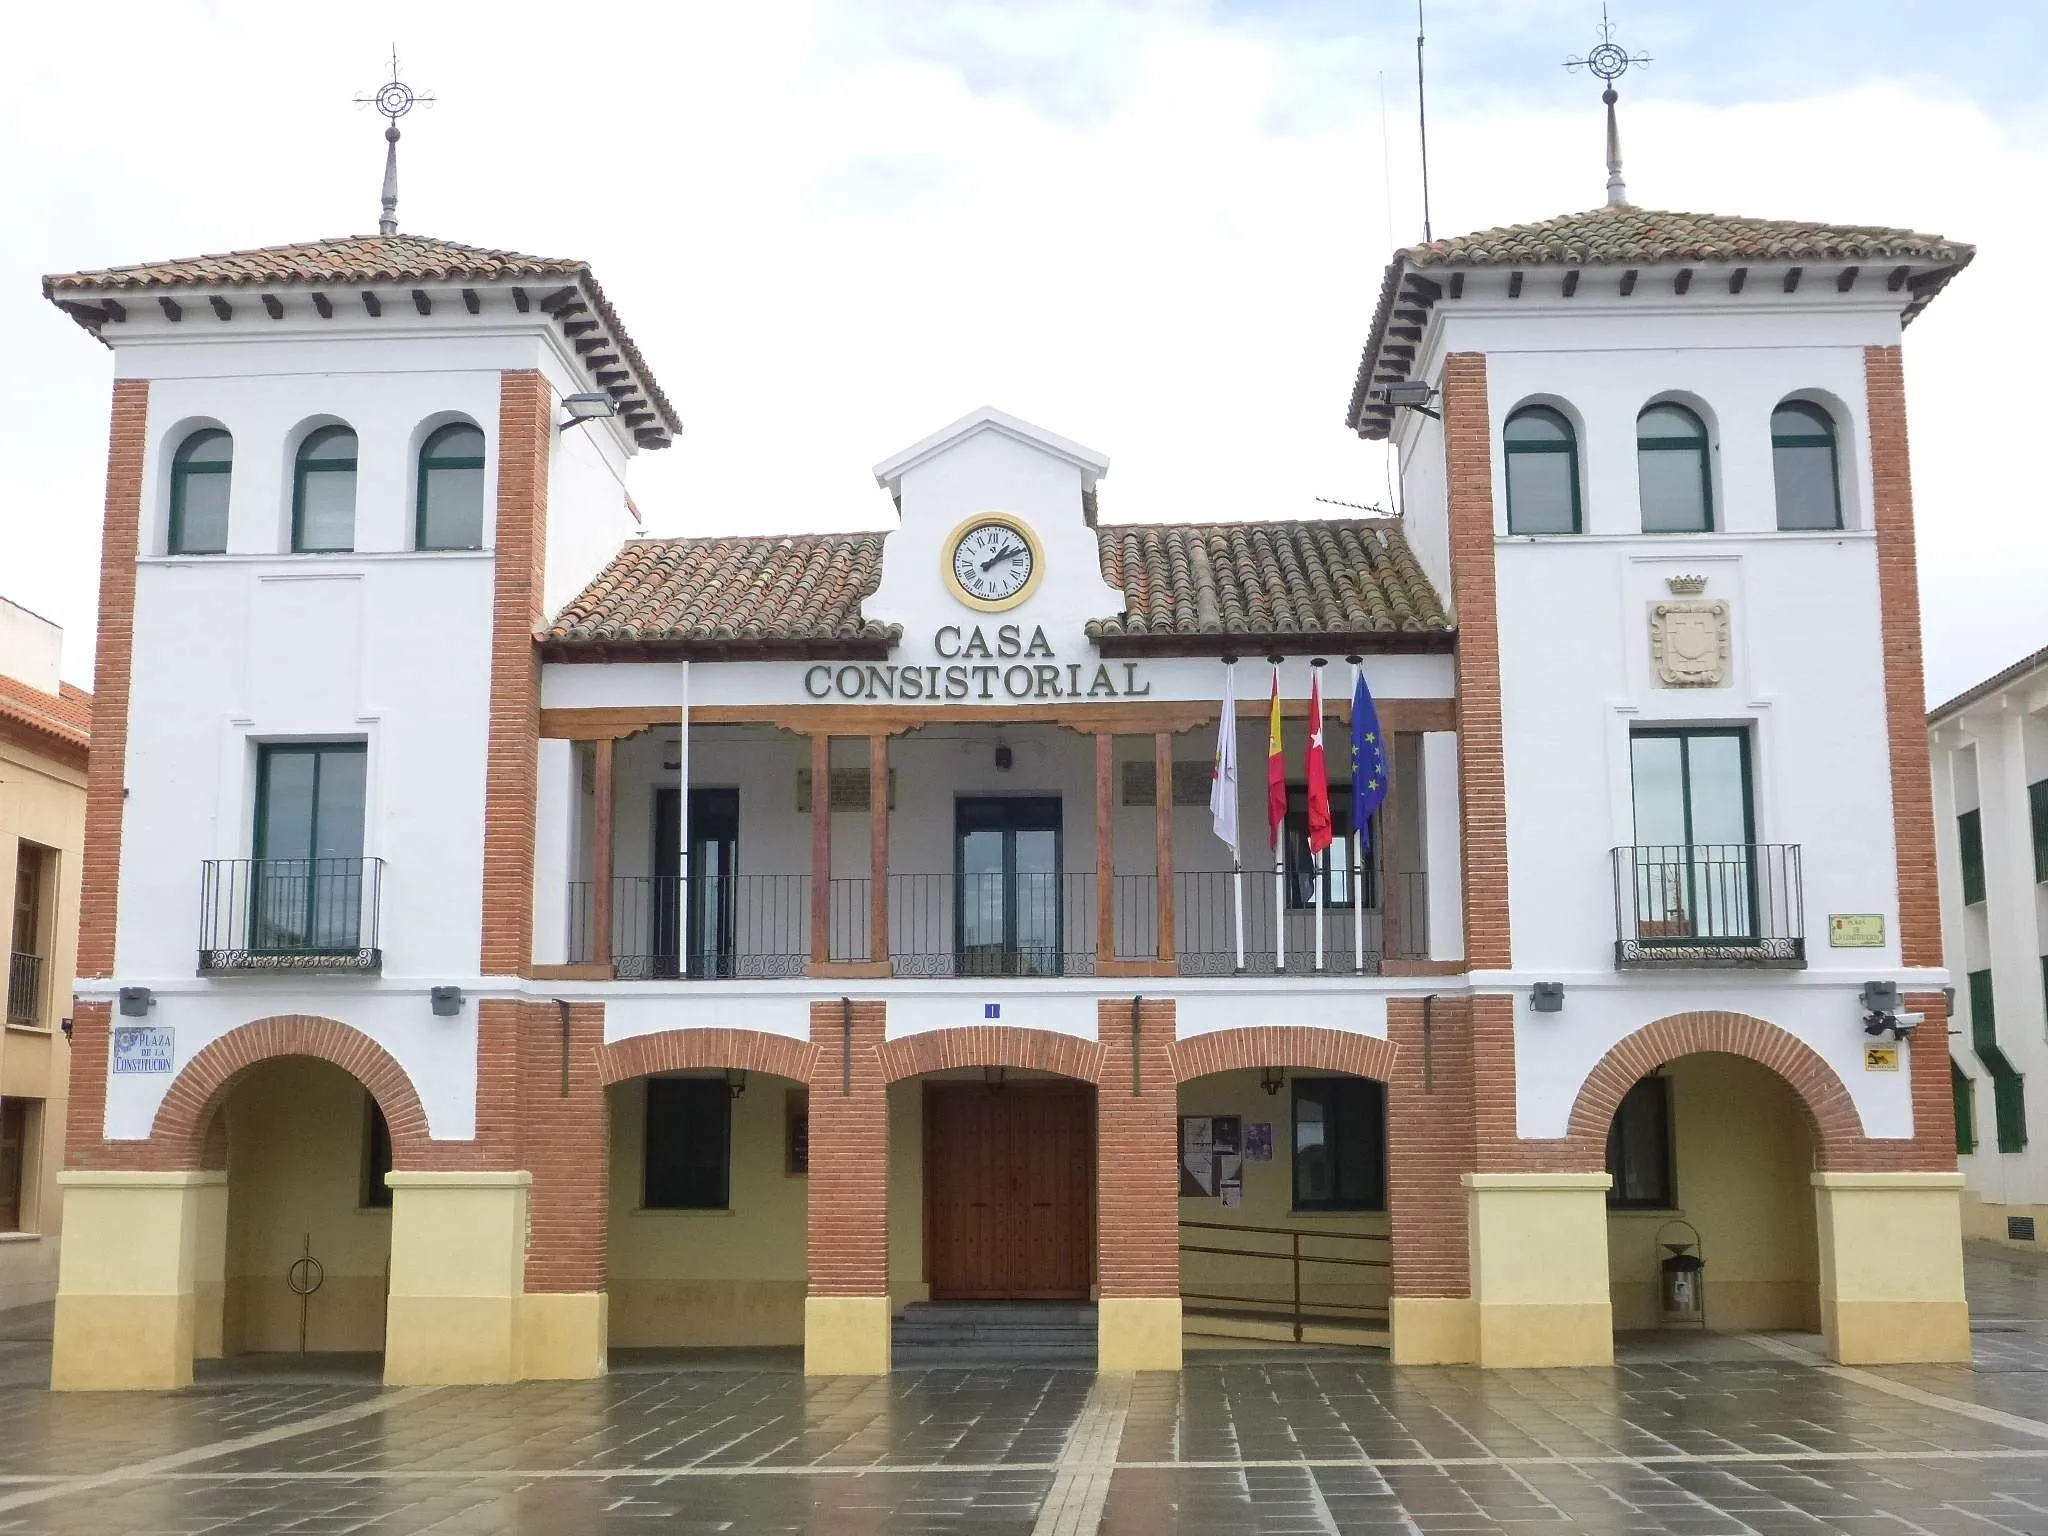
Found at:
<point>1009,1184</point>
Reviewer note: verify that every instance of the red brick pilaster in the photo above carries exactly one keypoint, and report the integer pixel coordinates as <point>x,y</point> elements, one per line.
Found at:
<point>849,1127</point>
<point>1429,1144</point>
<point>512,772</point>
<point>564,1139</point>
<point>1137,1154</point>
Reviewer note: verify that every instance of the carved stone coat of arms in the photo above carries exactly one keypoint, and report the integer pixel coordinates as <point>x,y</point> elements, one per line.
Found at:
<point>1689,643</point>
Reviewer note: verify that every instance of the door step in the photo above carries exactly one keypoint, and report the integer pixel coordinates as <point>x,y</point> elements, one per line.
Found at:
<point>1027,1333</point>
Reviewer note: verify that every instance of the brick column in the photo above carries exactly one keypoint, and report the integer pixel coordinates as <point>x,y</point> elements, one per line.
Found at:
<point>565,1141</point>
<point>1429,1150</point>
<point>846,1309</point>
<point>1137,1184</point>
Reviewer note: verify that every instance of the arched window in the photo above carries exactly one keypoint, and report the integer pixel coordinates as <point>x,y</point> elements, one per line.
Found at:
<point>200,472</point>
<point>451,500</point>
<point>1543,471</point>
<point>324,493</point>
<point>1671,468</point>
<point>1803,460</point>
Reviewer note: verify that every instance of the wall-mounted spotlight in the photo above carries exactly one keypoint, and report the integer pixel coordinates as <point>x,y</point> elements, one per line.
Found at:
<point>595,405</point>
<point>1271,1079</point>
<point>447,1001</point>
<point>136,1002</point>
<point>1004,757</point>
<point>1547,997</point>
<point>1412,395</point>
<point>735,1081</point>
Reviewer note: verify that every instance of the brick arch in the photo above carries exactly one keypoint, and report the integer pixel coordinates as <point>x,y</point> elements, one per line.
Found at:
<point>682,1050</point>
<point>1282,1045</point>
<point>184,1127</point>
<point>1837,1126</point>
<point>998,1045</point>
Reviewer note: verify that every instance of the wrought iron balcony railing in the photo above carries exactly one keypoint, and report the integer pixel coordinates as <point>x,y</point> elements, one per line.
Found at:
<point>290,914</point>
<point>753,927</point>
<point>24,988</point>
<point>1709,904</point>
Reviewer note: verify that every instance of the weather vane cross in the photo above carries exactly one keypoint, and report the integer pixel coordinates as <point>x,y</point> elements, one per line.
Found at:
<point>1608,61</point>
<point>394,98</point>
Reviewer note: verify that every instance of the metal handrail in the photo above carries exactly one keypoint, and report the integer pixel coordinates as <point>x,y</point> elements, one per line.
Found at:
<point>24,988</point>
<point>1294,1258</point>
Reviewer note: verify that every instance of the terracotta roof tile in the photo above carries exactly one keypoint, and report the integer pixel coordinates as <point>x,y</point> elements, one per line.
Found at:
<point>65,716</point>
<point>353,259</point>
<point>1622,235</point>
<point>1188,589</point>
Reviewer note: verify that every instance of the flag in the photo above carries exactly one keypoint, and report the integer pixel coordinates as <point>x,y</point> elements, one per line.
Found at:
<point>1276,772</point>
<point>1368,760</point>
<point>1223,777</point>
<point>1318,770</point>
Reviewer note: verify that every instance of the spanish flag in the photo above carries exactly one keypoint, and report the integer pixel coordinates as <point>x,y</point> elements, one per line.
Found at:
<point>1319,836</point>
<point>1276,772</point>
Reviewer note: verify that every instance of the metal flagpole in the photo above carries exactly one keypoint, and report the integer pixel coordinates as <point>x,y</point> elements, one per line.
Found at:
<point>1280,840</point>
<point>1316,872</point>
<point>1357,840</point>
<point>683,830</point>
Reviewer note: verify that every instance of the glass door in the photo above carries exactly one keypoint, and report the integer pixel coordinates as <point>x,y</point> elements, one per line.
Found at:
<point>1695,836</point>
<point>714,878</point>
<point>306,881</point>
<point>1007,910</point>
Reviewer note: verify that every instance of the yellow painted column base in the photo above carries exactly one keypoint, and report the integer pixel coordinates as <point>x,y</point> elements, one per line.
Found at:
<point>563,1336</point>
<point>1891,1267</point>
<point>122,1343</point>
<point>1138,1333</point>
<point>445,1341</point>
<point>1434,1330</point>
<point>458,1260</point>
<point>1545,1335</point>
<point>1538,1253</point>
<point>1898,1332</point>
<point>846,1335</point>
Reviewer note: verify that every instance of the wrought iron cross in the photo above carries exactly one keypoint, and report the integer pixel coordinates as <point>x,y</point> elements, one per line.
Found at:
<point>1608,61</point>
<point>394,98</point>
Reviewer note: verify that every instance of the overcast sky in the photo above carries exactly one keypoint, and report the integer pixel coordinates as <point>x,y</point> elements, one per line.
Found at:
<point>1155,228</point>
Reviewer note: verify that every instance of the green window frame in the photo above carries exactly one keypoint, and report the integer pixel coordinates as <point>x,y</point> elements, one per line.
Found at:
<point>448,511</point>
<point>1640,1157</point>
<point>1963,1090</point>
<point>1340,1144</point>
<point>2037,815</point>
<point>1970,841</point>
<point>318,489</point>
<point>1532,439</point>
<point>1667,428</point>
<point>686,1151</point>
<point>1798,429</point>
<point>2008,1084</point>
<point>199,460</point>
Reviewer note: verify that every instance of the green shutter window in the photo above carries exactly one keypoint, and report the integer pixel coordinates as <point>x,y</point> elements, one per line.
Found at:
<point>1970,834</point>
<point>324,493</point>
<point>2008,1085</point>
<point>1542,454</point>
<point>1803,464</point>
<point>2037,813</point>
<point>1964,1092</point>
<point>1672,471</point>
<point>201,471</point>
<point>451,494</point>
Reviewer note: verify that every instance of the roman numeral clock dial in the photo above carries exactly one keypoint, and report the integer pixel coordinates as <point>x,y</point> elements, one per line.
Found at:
<point>992,562</point>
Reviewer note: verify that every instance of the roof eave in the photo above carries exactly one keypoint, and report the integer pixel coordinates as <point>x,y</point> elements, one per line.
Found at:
<point>1373,642</point>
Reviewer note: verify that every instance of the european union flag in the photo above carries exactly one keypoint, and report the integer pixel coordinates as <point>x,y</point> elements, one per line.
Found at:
<point>1368,760</point>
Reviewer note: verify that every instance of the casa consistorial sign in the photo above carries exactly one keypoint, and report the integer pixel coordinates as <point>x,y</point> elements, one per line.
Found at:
<point>982,666</point>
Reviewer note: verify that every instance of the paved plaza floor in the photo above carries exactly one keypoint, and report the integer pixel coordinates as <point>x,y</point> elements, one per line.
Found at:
<point>1695,1435</point>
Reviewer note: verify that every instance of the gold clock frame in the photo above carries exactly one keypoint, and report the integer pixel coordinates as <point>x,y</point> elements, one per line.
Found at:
<point>1023,531</point>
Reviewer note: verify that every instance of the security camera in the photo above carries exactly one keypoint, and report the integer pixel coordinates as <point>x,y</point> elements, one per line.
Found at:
<point>1897,1025</point>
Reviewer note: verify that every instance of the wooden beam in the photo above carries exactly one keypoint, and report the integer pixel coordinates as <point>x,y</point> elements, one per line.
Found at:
<point>1105,850</point>
<point>1515,283</point>
<point>878,848</point>
<point>372,303</point>
<point>553,301</point>
<point>1162,836</point>
<point>421,302</point>
<point>471,302</point>
<point>601,855</point>
<point>1457,285</point>
<point>520,301</point>
<point>323,306</point>
<point>114,309</point>
<point>1571,282</point>
<point>602,360</point>
<point>1737,278</point>
<point>1792,279</point>
<point>1683,281</point>
<point>1898,277</point>
<point>1628,282</point>
<point>580,327</point>
<point>221,307</point>
<point>821,848</point>
<point>171,309</point>
<point>273,306</point>
<point>1847,280</point>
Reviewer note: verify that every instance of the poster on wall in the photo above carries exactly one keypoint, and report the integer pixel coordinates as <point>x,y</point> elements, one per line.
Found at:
<point>1258,1143</point>
<point>1212,1157</point>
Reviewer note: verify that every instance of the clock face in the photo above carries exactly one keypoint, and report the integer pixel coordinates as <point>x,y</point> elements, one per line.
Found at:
<point>993,562</point>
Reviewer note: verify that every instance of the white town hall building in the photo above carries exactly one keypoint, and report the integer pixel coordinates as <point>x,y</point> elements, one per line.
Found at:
<point>570,940</point>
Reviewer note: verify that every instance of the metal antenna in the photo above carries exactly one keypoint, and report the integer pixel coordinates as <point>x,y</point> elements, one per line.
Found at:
<point>1609,61</point>
<point>394,98</point>
<point>1422,120</point>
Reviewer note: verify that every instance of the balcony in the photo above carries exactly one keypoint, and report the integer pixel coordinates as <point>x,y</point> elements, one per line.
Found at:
<point>24,989</point>
<point>289,915</point>
<point>1709,906</point>
<point>1023,925</point>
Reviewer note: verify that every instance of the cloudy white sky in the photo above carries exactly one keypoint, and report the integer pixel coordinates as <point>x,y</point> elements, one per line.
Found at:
<point>1154,227</point>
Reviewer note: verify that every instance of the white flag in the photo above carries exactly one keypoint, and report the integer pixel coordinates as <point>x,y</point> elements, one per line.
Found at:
<point>1223,777</point>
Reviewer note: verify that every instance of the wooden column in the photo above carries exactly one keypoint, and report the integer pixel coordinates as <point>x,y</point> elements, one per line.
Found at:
<point>1162,837</point>
<point>601,855</point>
<point>1387,850</point>
<point>1105,850</point>
<point>878,849</point>
<point>821,849</point>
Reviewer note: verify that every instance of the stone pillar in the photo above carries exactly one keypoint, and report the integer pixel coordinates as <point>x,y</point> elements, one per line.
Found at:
<point>1538,1244</point>
<point>1429,1151</point>
<point>846,1310</point>
<point>210,1268</point>
<point>458,1261</point>
<point>1137,1200</point>
<point>564,1133</point>
<point>1891,1267</point>
<point>127,1272</point>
